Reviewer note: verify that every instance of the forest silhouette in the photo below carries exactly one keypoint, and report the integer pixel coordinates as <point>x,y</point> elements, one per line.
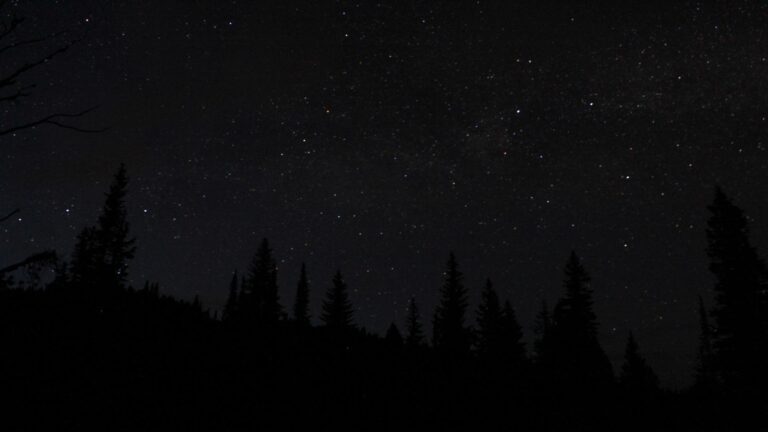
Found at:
<point>88,349</point>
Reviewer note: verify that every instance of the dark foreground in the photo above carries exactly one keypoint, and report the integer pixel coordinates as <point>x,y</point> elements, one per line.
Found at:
<point>139,361</point>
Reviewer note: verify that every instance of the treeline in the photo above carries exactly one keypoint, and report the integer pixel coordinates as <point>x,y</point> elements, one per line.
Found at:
<point>88,349</point>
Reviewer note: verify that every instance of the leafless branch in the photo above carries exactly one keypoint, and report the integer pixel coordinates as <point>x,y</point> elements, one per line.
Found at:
<point>20,93</point>
<point>21,43</point>
<point>10,27</point>
<point>40,257</point>
<point>55,120</point>
<point>11,90</point>
<point>9,215</point>
<point>11,78</point>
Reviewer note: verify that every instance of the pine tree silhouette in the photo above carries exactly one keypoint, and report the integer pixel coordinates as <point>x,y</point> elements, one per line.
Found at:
<point>450,335</point>
<point>61,278</point>
<point>85,260</point>
<point>489,321</point>
<point>393,337</point>
<point>115,247</point>
<point>260,294</point>
<point>705,373</point>
<point>636,376</point>
<point>575,310</point>
<point>542,328</point>
<point>230,307</point>
<point>337,309</point>
<point>301,304</point>
<point>415,336</point>
<point>740,313</point>
<point>101,255</point>
<point>511,335</point>
<point>575,349</point>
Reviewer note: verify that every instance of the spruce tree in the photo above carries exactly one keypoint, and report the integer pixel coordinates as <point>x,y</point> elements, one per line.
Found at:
<point>61,278</point>
<point>511,335</point>
<point>489,321</point>
<point>575,350</point>
<point>301,304</point>
<point>542,328</point>
<point>337,309</point>
<point>230,307</point>
<point>740,313</point>
<point>85,260</point>
<point>450,334</point>
<point>393,337</point>
<point>705,377</point>
<point>574,312</point>
<point>115,248</point>
<point>415,336</point>
<point>260,293</point>
<point>636,376</point>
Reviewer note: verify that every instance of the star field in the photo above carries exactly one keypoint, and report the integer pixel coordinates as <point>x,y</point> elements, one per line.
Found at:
<point>376,138</point>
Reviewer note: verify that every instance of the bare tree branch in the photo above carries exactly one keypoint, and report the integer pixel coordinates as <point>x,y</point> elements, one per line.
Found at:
<point>11,26</point>
<point>22,43</point>
<point>9,215</point>
<point>40,257</point>
<point>12,91</point>
<point>54,119</point>
<point>20,93</point>
<point>11,78</point>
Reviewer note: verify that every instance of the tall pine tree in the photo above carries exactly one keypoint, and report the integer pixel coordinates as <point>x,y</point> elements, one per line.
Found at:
<point>575,350</point>
<point>415,336</point>
<point>705,371</point>
<point>301,304</point>
<point>85,260</point>
<point>513,347</point>
<point>489,322</point>
<point>260,301</point>
<point>102,253</point>
<point>114,245</point>
<point>542,329</point>
<point>636,377</point>
<point>574,312</point>
<point>740,313</point>
<point>337,309</point>
<point>393,338</point>
<point>450,333</point>
<point>230,307</point>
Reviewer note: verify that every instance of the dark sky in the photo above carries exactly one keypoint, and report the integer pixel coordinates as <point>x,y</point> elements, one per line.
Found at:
<point>376,138</point>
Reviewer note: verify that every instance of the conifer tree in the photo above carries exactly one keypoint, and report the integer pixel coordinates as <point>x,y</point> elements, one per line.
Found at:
<point>61,277</point>
<point>415,336</point>
<point>489,321</point>
<point>154,289</point>
<point>542,328</point>
<point>301,304</point>
<point>450,334</point>
<point>230,307</point>
<point>740,313</point>
<point>337,309</point>
<point>511,335</point>
<point>574,312</point>
<point>705,377</point>
<point>115,247</point>
<point>636,376</point>
<point>85,259</point>
<point>393,336</point>
<point>575,350</point>
<point>260,300</point>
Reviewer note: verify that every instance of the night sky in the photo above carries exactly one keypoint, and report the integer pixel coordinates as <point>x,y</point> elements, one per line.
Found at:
<point>377,138</point>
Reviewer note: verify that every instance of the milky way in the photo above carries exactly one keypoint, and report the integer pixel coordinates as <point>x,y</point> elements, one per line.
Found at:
<point>376,139</point>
